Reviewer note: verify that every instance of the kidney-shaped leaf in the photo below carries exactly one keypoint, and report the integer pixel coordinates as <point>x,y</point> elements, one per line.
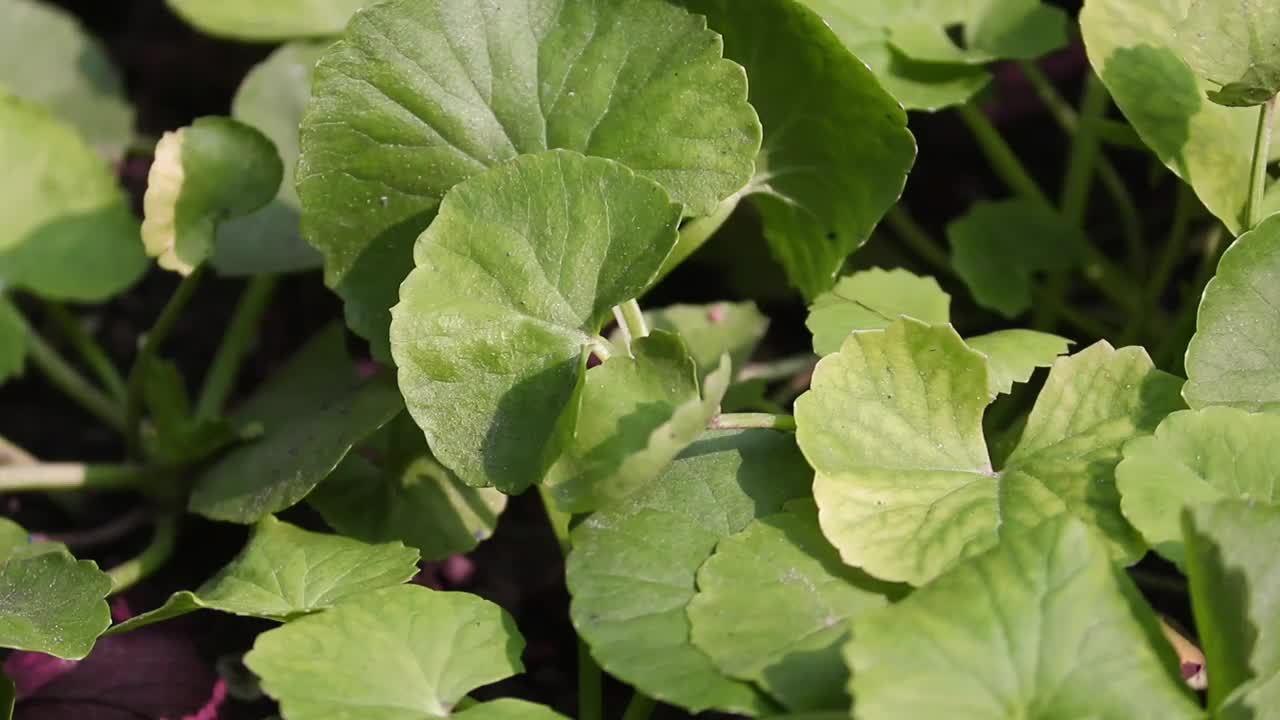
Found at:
<point>1013,355</point>
<point>517,273</point>
<point>1131,44</point>
<point>66,232</point>
<point>404,653</point>
<point>1234,44</point>
<point>633,567</point>
<point>983,30</point>
<point>1232,357</point>
<point>267,21</point>
<point>420,95</point>
<point>286,571</point>
<point>773,606</point>
<point>215,168</point>
<point>872,299</point>
<point>905,485</point>
<point>1041,626</point>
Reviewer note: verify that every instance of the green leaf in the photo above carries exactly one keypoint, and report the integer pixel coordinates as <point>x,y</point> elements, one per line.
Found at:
<point>863,27</point>
<point>819,192</point>
<point>419,96</point>
<point>67,233</point>
<point>1041,626</point>
<point>47,58</point>
<point>1234,44</point>
<point>13,340</point>
<point>8,696</point>
<point>632,569</point>
<point>49,601</point>
<point>636,415</point>
<point>872,299</point>
<point>710,331</point>
<point>274,21</point>
<point>405,653</point>
<point>1013,355</point>
<point>1196,457</point>
<point>1232,357</point>
<point>1131,44</point>
<point>271,99</point>
<point>905,485</point>
<point>772,608</point>
<point>997,247</point>
<point>509,709</point>
<point>1235,590</point>
<point>520,269</point>
<point>320,371</point>
<point>988,30</point>
<point>411,498</point>
<point>285,571</point>
<point>277,471</point>
<point>214,168</point>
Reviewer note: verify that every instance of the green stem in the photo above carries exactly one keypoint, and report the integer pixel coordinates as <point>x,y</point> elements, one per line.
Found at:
<point>236,344</point>
<point>781,369</point>
<point>634,318</point>
<point>1175,245</point>
<point>743,421</point>
<point>590,685</point>
<point>54,477</point>
<point>1084,152</point>
<point>919,241</point>
<point>153,556</point>
<point>640,707</point>
<point>698,231</point>
<point>13,454</point>
<point>1002,158</point>
<point>1184,326</point>
<point>94,356</point>
<point>1261,154</point>
<point>150,344</point>
<point>557,518</point>
<point>72,383</point>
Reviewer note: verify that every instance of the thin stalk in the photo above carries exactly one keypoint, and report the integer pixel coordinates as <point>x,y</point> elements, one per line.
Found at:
<point>743,421</point>
<point>1002,158</point>
<point>104,534</point>
<point>13,454</point>
<point>590,685</point>
<point>241,333</point>
<point>1084,152</point>
<point>633,318</point>
<point>94,356</point>
<point>698,231</point>
<point>1184,326</point>
<point>73,384</point>
<point>152,558</point>
<point>1261,154</point>
<point>55,477</point>
<point>1175,245</point>
<point>919,241</point>
<point>781,369</point>
<point>557,518</point>
<point>150,344</point>
<point>640,707</point>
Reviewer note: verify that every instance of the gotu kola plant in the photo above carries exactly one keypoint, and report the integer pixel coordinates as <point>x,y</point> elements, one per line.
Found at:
<point>938,529</point>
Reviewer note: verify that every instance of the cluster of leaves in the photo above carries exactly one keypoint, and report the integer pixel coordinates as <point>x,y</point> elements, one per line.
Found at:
<point>490,186</point>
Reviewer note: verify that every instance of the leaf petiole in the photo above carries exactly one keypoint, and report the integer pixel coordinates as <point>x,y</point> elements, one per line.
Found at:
<point>55,477</point>
<point>236,344</point>
<point>153,556</point>
<point>640,707</point>
<point>744,421</point>
<point>72,383</point>
<point>1261,155</point>
<point>89,349</point>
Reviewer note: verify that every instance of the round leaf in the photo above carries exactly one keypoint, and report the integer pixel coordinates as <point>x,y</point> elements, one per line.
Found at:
<point>271,99</point>
<point>285,571</point>
<point>872,299</point>
<point>1041,626</point>
<point>1014,354</point>
<point>1232,357</point>
<point>1234,44</point>
<point>517,273</point>
<point>267,21</point>
<point>988,30</point>
<point>47,58</point>
<point>1196,458</point>
<point>404,653</point>
<point>772,608</point>
<point>67,232</point>
<point>213,169</point>
<point>632,569</point>
<point>419,96</point>
<point>905,485</point>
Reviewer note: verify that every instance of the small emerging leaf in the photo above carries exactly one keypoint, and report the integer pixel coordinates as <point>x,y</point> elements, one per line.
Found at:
<point>213,169</point>
<point>710,331</point>
<point>1234,44</point>
<point>255,21</point>
<point>1014,354</point>
<point>872,299</point>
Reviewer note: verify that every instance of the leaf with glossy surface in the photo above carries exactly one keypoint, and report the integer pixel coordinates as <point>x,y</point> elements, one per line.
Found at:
<point>335,663</point>
<point>518,272</point>
<point>997,247</point>
<point>275,472</point>
<point>1041,626</point>
<point>633,567</point>
<point>285,571</point>
<point>215,168</point>
<point>267,22</point>
<point>1234,44</point>
<point>67,232</point>
<point>819,187</point>
<point>1013,355</point>
<point>420,96</point>
<point>13,341</point>
<point>636,414</point>
<point>1131,47</point>
<point>271,99</point>
<point>1232,357</point>
<point>48,58</point>
<point>872,299</point>
<point>905,486</point>
<point>772,608</point>
<point>1234,581</point>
